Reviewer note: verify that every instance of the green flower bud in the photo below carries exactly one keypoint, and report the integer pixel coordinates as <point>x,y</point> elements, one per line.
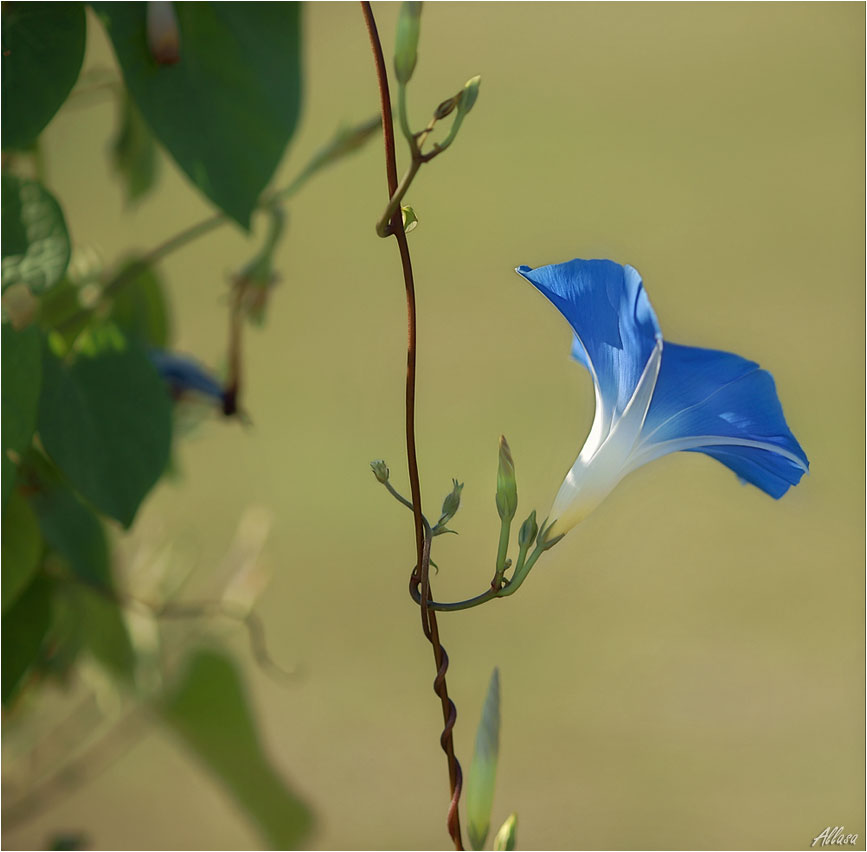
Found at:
<point>380,470</point>
<point>528,531</point>
<point>507,488</point>
<point>468,95</point>
<point>406,44</point>
<point>452,503</point>
<point>506,838</point>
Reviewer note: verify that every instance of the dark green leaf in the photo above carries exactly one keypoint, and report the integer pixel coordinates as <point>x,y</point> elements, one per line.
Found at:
<point>24,628</point>
<point>61,310</point>
<point>483,771</point>
<point>70,529</point>
<point>228,108</point>
<point>134,152</point>
<point>88,604</point>
<point>34,236</point>
<point>106,423</point>
<point>139,309</point>
<point>21,380</point>
<point>210,711</point>
<point>104,632</point>
<point>43,48</point>
<point>21,549</point>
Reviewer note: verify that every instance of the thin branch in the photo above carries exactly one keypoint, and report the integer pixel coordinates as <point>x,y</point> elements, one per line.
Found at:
<point>422,568</point>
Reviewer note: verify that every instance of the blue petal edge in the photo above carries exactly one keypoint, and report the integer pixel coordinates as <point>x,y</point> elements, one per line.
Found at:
<point>614,324</point>
<point>725,406</point>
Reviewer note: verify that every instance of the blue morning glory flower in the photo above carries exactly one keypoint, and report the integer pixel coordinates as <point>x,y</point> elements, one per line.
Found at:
<point>185,375</point>
<point>654,397</point>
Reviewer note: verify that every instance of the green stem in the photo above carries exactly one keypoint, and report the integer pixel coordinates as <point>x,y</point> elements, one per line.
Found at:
<point>502,550</point>
<point>383,226</point>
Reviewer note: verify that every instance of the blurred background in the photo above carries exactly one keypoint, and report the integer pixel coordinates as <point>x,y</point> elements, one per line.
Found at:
<point>686,669</point>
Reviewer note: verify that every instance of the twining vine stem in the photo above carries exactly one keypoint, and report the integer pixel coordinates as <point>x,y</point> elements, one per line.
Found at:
<point>420,577</point>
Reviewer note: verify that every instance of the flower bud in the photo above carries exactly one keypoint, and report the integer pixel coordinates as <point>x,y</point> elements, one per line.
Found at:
<point>452,503</point>
<point>507,489</point>
<point>163,33</point>
<point>528,531</point>
<point>406,44</point>
<point>380,470</point>
<point>506,838</point>
<point>469,94</point>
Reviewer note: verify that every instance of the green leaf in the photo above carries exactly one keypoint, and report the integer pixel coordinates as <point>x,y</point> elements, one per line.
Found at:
<point>507,837</point>
<point>105,632</point>
<point>21,549</point>
<point>483,771</point>
<point>75,533</point>
<point>134,152</point>
<point>24,628</point>
<point>210,711</point>
<point>19,399</point>
<point>410,219</point>
<point>139,309</point>
<point>35,240</point>
<point>106,423</point>
<point>228,108</point>
<point>69,527</point>
<point>43,48</point>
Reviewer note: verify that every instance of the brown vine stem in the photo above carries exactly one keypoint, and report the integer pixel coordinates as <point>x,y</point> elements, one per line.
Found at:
<point>420,576</point>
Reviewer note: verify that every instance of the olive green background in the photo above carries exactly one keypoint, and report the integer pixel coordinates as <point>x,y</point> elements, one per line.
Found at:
<point>686,669</point>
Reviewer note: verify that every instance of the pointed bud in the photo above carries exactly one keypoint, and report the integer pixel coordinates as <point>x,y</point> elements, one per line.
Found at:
<point>406,44</point>
<point>528,531</point>
<point>452,503</point>
<point>447,106</point>
<point>380,470</point>
<point>506,838</point>
<point>468,95</point>
<point>507,489</point>
<point>163,33</point>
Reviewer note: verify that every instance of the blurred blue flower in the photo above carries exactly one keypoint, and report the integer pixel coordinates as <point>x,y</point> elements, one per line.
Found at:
<point>184,375</point>
<point>655,397</point>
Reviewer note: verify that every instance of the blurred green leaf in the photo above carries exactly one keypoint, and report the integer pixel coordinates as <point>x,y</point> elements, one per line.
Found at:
<point>228,108</point>
<point>19,398</point>
<point>139,309</point>
<point>24,628</point>
<point>507,837</point>
<point>134,151</point>
<point>76,534</point>
<point>346,141</point>
<point>210,711</point>
<point>69,527</point>
<point>43,48</point>
<point>483,771</point>
<point>105,633</point>
<point>21,549</point>
<point>106,423</point>
<point>62,311</point>
<point>34,236</point>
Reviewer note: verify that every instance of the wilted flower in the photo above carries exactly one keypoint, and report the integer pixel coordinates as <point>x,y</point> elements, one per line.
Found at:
<point>655,397</point>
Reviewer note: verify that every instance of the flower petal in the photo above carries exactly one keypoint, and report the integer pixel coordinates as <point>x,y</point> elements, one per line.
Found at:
<point>615,326</point>
<point>727,407</point>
